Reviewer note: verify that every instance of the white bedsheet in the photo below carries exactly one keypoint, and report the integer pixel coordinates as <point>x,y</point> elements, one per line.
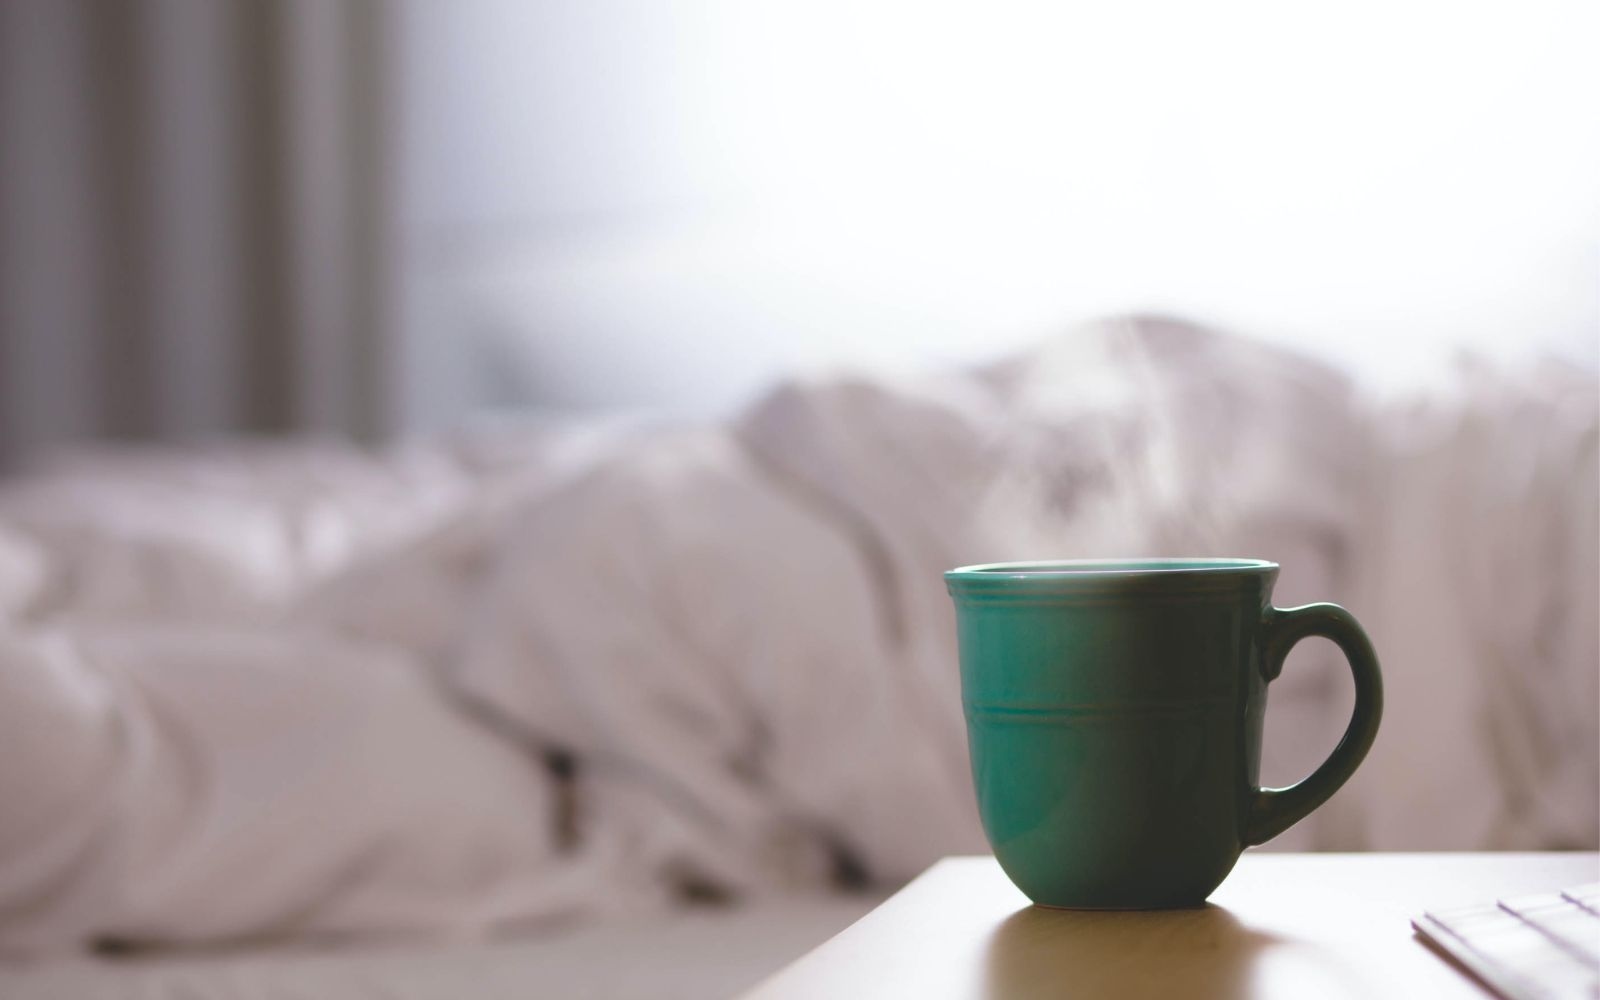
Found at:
<point>701,954</point>
<point>521,679</point>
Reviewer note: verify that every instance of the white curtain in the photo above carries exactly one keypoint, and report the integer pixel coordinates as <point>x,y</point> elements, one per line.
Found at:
<point>193,206</point>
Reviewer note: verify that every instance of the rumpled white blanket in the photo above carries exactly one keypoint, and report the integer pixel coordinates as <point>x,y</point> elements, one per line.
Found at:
<point>522,676</point>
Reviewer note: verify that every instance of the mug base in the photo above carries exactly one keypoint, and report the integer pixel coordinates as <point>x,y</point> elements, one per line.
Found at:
<point>1113,908</point>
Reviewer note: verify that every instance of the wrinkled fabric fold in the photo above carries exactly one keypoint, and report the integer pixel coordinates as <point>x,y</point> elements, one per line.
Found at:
<point>519,677</point>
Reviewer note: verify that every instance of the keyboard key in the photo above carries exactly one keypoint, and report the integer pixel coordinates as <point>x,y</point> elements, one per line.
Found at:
<point>1543,946</point>
<point>1577,929</point>
<point>1586,896</point>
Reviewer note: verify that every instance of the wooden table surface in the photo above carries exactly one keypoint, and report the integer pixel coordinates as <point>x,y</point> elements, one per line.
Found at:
<point>1299,926</point>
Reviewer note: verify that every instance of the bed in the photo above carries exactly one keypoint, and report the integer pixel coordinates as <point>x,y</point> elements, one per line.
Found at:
<point>688,955</point>
<point>633,707</point>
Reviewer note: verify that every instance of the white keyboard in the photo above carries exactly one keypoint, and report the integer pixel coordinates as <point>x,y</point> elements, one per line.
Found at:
<point>1544,947</point>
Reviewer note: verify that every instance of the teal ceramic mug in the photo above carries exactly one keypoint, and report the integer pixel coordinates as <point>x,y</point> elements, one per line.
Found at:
<point>1114,714</point>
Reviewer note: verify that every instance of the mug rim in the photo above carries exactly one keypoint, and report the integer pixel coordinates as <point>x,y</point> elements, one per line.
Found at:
<point>1067,569</point>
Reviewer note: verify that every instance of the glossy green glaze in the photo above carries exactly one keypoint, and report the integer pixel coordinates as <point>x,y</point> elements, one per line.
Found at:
<point>1114,714</point>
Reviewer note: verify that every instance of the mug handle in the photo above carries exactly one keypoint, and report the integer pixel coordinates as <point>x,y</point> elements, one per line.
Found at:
<point>1274,810</point>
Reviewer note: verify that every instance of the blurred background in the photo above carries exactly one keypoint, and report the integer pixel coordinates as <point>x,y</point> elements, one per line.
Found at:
<point>317,320</point>
<point>371,218</point>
